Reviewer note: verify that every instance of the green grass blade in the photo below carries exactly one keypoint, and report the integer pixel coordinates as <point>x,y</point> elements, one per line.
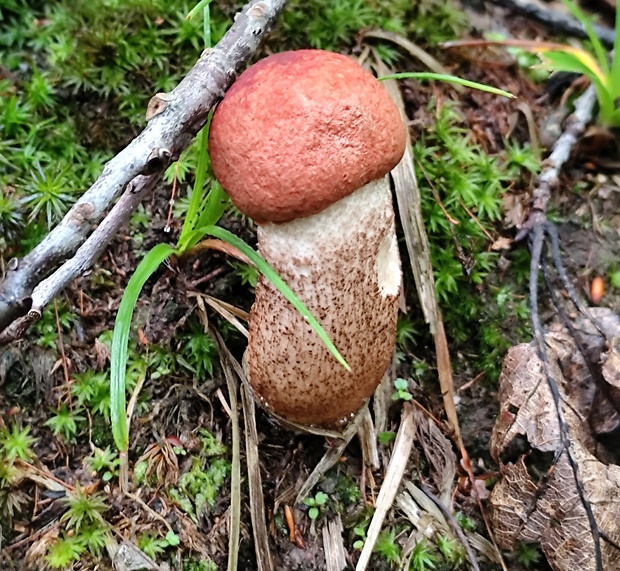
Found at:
<point>566,61</point>
<point>197,9</point>
<point>615,63</point>
<point>448,79</point>
<point>599,50</point>
<point>277,281</point>
<point>120,341</point>
<point>193,216</point>
<point>206,25</point>
<point>615,118</point>
<point>198,193</point>
<point>214,206</point>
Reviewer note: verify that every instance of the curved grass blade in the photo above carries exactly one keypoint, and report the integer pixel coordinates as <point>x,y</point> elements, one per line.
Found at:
<point>214,206</point>
<point>197,9</point>
<point>597,46</point>
<point>120,341</point>
<point>448,79</point>
<point>198,192</point>
<point>615,62</point>
<point>277,281</point>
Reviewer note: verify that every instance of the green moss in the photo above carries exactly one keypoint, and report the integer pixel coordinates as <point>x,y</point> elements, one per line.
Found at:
<point>78,75</point>
<point>462,188</point>
<point>199,487</point>
<point>334,24</point>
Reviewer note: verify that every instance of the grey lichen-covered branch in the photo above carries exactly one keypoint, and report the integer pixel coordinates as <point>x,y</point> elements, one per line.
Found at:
<point>173,120</point>
<point>84,258</point>
<point>552,166</point>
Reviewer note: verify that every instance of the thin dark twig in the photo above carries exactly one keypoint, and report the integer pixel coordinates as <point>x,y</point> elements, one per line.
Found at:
<point>537,236</point>
<point>595,374</point>
<point>552,233</point>
<point>557,21</point>
<point>566,321</point>
<point>548,179</point>
<point>609,540</point>
<point>454,525</point>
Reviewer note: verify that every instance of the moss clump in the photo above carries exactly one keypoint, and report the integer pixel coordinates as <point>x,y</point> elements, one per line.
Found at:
<point>462,188</point>
<point>332,24</point>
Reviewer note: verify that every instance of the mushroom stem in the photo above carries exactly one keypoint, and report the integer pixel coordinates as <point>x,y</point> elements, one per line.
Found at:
<point>343,263</point>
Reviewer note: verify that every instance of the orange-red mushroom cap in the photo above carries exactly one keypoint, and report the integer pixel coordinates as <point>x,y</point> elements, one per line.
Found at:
<point>300,130</point>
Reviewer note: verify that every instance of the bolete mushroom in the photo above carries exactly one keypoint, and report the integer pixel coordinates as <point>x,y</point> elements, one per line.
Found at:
<point>302,142</point>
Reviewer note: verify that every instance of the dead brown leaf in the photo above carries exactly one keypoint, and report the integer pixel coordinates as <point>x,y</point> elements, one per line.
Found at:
<point>162,462</point>
<point>537,498</point>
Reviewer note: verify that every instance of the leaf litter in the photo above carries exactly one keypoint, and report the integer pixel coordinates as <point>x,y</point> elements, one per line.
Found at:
<point>538,498</point>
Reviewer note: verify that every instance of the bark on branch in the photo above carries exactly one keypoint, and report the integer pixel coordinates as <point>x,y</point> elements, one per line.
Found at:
<point>173,120</point>
<point>557,21</point>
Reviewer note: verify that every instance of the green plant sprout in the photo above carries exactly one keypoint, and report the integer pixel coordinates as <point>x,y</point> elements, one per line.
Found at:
<point>104,462</point>
<point>316,504</point>
<point>201,565</point>
<point>422,557</point>
<point>465,522</point>
<point>70,546</point>
<point>66,550</point>
<point>153,545</point>
<point>359,531</point>
<point>528,555</point>
<point>386,437</point>
<point>16,443</point>
<point>64,422</point>
<point>388,547</point>
<point>451,549</point>
<point>197,490</point>
<point>402,390</point>
<point>85,529</point>
<point>84,509</point>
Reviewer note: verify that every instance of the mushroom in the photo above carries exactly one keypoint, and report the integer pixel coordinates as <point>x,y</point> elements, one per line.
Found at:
<point>302,142</point>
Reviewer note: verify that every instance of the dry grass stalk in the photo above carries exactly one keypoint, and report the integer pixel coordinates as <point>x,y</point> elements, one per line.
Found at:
<point>368,440</point>
<point>335,555</point>
<point>394,475</point>
<point>264,561</point>
<point>235,475</point>
<point>410,214</point>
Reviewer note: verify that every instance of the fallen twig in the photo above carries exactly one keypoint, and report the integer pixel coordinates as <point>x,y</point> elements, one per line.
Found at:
<point>558,22</point>
<point>83,259</point>
<point>537,228</point>
<point>537,243</point>
<point>576,125</point>
<point>174,119</point>
<point>393,478</point>
<point>456,528</point>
